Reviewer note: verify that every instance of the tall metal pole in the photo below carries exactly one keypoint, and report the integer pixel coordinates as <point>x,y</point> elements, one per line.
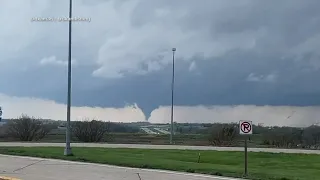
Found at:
<point>172,88</point>
<point>67,150</point>
<point>0,113</point>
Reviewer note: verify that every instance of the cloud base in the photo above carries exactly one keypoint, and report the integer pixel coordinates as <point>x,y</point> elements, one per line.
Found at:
<point>268,115</point>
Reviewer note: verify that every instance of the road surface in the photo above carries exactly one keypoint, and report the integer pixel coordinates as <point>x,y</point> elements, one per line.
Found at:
<point>145,146</point>
<point>27,168</point>
<point>148,131</point>
<point>162,131</point>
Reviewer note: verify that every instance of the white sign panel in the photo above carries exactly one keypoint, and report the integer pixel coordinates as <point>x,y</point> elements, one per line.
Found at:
<point>245,127</point>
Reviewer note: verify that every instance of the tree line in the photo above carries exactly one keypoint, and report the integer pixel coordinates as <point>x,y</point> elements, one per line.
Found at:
<point>27,128</point>
<point>277,137</point>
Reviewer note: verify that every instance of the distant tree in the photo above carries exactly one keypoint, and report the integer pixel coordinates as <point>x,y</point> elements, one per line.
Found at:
<point>90,131</point>
<point>27,128</point>
<point>311,137</point>
<point>223,135</point>
<point>180,130</point>
<point>284,137</point>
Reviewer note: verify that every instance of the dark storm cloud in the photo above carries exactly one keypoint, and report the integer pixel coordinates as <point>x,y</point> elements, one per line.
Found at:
<point>220,82</point>
<point>277,29</point>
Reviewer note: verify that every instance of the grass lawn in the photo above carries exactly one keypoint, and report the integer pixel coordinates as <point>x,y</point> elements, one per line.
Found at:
<point>264,166</point>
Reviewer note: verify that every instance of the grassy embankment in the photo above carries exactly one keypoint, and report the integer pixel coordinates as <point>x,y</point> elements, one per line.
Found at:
<point>264,166</point>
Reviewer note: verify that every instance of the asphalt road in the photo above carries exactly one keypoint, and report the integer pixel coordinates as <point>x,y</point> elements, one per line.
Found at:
<point>27,168</point>
<point>144,146</point>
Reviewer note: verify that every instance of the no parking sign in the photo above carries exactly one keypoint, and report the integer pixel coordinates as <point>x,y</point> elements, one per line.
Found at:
<point>245,127</point>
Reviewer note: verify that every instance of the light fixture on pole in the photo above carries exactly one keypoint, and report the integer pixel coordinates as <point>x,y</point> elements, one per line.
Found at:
<point>172,88</point>
<point>67,151</point>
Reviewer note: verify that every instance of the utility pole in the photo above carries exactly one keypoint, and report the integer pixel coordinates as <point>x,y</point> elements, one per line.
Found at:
<point>0,113</point>
<point>67,151</point>
<point>172,88</point>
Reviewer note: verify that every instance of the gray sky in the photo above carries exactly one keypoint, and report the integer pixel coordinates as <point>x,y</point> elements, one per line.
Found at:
<point>251,57</point>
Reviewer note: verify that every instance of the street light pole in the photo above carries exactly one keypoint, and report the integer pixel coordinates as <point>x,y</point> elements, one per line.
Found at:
<point>172,88</point>
<point>67,151</point>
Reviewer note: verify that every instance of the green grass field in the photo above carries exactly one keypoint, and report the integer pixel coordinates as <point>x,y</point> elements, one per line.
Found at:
<point>264,166</point>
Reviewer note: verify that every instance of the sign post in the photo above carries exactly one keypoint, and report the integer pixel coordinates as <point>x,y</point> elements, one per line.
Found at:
<point>245,128</point>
